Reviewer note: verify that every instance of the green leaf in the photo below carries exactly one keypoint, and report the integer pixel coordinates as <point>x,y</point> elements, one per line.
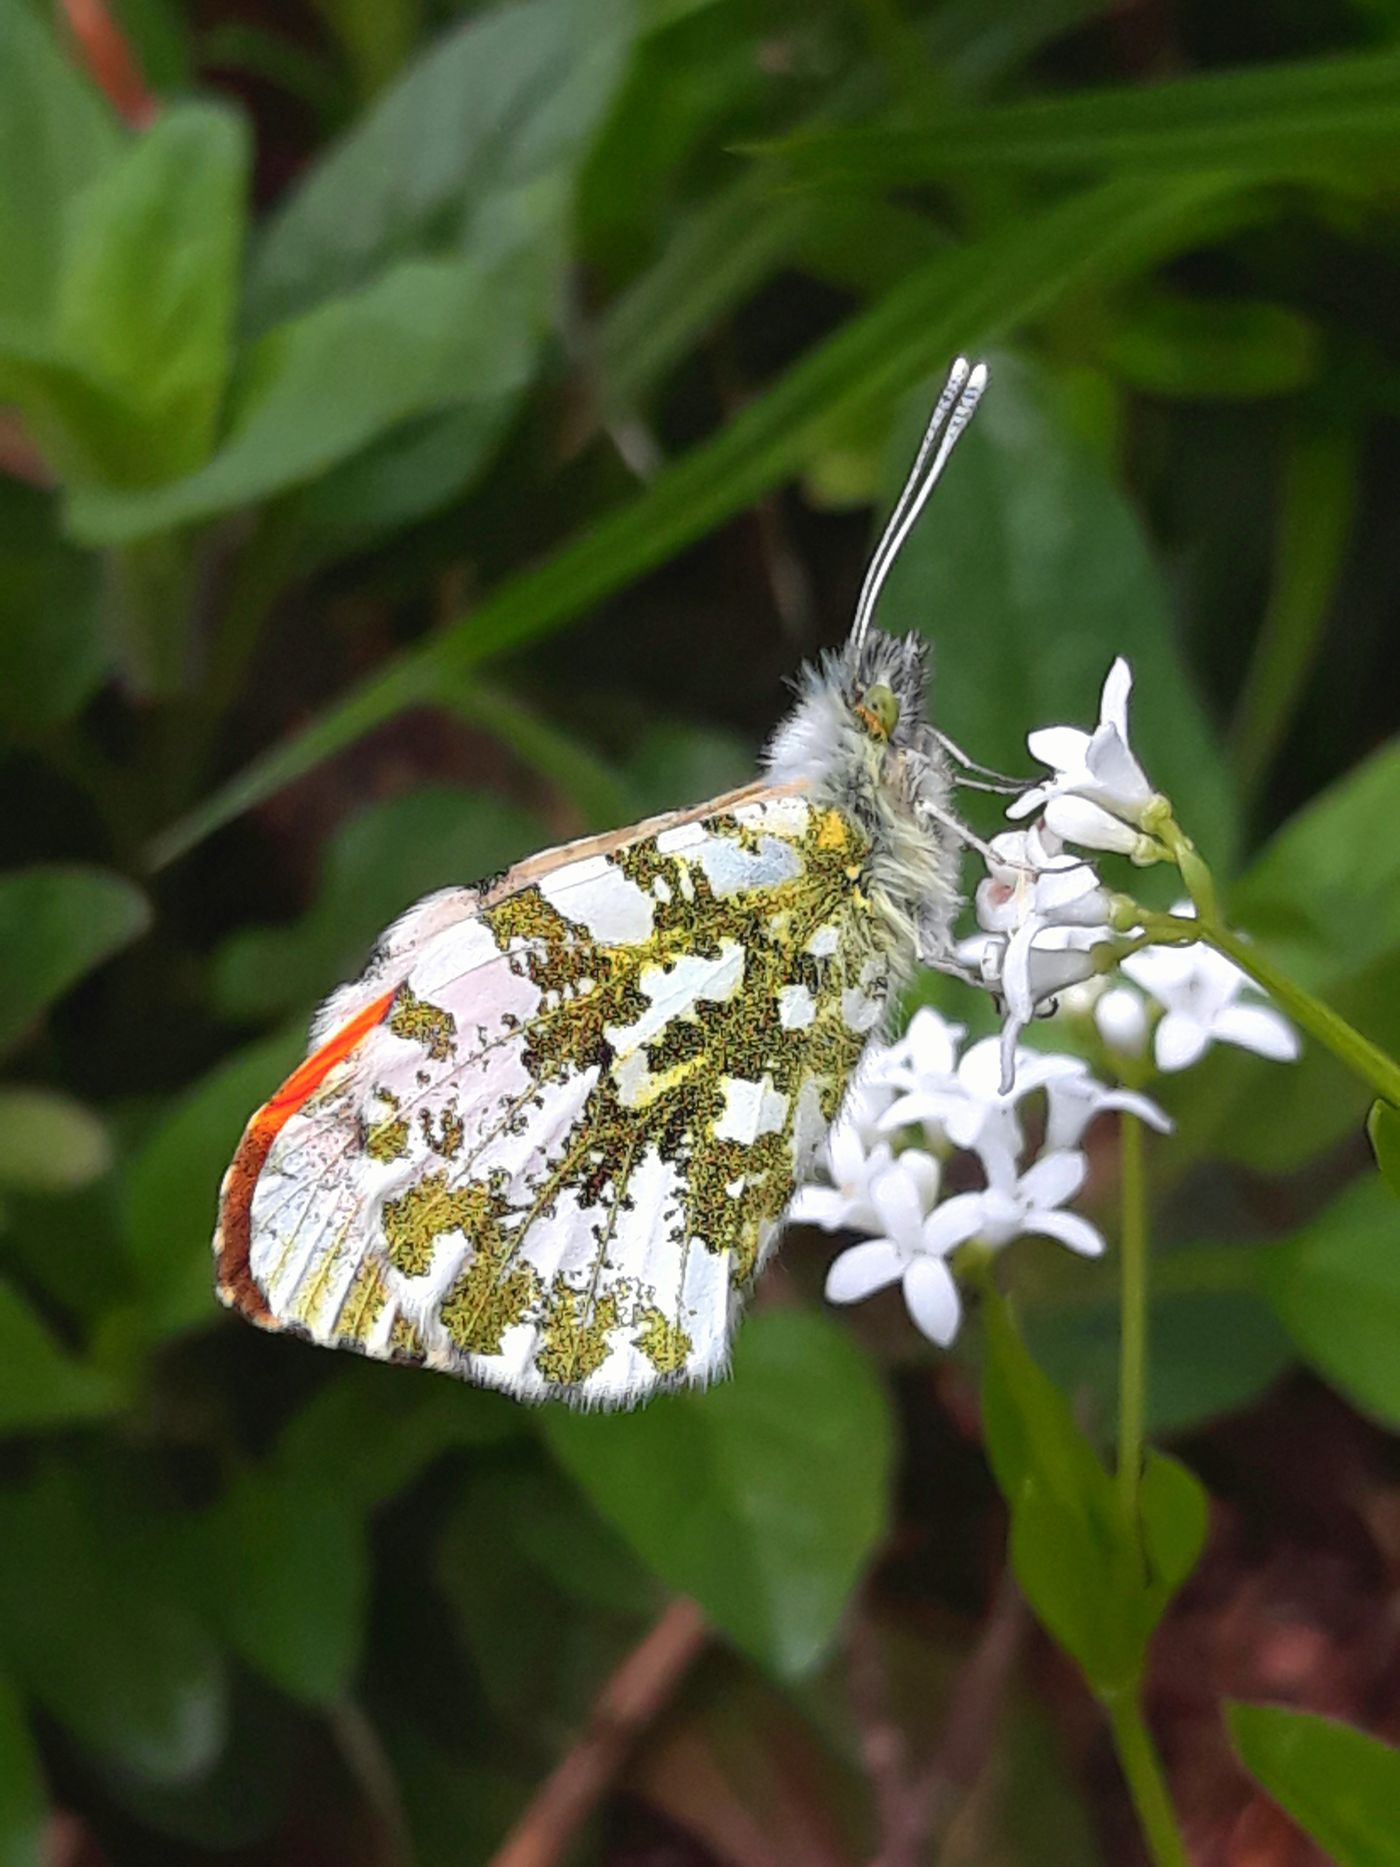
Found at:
<point>1285,119</point>
<point>1078,1565</point>
<point>124,381</point>
<point>415,470</point>
<point>1175,1517</point>
<point>1214,1350</point>
<point>91,1616</point>
<point>49,1143</point>
<point>1234,349</point>
<point>1383,1127</point>
<point>56,924</point>
<point>379,863</point>
<point>1030,573</point>
<point>23,1804</point>
<point>473,152</point>
<point>56,136</point>
<point>315,390</point>
<point>416,268</point>
<point>1339,1784</point>
<point>1336,1287</point>
<point>53,651</point>
<point>373,1429</point>
<point>41,1385</point>
<point>764,1497</point>
<point>1315,516</point>
<point>171,1190</point>
<point>984,289</point>
<point>289,1572</point>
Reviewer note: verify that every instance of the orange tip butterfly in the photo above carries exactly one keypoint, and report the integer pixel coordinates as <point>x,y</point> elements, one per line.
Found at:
<point>548,1140</point>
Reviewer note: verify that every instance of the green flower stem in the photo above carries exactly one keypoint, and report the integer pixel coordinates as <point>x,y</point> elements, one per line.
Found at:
<point>1138,1761</point>
<point>1358,1053</point>
<point>1132,1332</point>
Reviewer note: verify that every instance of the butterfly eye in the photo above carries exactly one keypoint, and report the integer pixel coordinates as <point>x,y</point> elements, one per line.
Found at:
<point>879,710</point>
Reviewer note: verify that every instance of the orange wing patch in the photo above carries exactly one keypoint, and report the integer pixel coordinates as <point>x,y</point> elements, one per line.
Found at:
<point>234,1282</point>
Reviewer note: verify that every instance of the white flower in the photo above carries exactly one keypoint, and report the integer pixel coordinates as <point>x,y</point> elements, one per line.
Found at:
<point>1015,1206</point>
<point>1074,1101</point>
<point>1063,956</point>
<point>1121,1015</point>
<point>928,1049</point>
<point>854,1156</point>
<point>972,1107</point>
<point>904,1200</point>
<point>1097,792</point>
<point>1199,991</point>
<point>1045,911</point>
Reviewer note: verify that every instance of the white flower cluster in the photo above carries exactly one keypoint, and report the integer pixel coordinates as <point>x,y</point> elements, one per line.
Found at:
<point>918,1102</point>
<point>1044,916</point>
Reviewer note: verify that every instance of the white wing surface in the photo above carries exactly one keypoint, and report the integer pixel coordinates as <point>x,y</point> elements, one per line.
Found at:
<point>549,1139</point>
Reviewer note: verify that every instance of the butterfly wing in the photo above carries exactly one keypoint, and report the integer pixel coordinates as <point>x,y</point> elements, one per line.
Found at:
<point>550,1137</point>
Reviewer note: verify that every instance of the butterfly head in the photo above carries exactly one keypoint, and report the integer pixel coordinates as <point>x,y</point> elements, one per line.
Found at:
<point>859,736</point>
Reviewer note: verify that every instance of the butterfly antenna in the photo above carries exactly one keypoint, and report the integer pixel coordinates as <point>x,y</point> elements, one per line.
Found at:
<point>952,412</point>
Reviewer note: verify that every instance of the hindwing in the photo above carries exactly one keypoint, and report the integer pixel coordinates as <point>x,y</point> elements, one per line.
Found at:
<point>549,1139</point>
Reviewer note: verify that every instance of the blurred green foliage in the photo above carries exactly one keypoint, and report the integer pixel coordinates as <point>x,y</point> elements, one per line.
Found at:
<point>401,338</point>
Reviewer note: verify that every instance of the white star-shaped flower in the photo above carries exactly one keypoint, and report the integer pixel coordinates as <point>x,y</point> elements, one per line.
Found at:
<point>1044,911</point>
<point>1097,792</point>
<point>1017,1206</point>
<point>853,1157</point>
<point>928,1050</point>
<point>972,1106</point>
<point>904,1200</point>
<point>1200,991</point>
<point>1121,1015</point>
<point>1074,1100</point>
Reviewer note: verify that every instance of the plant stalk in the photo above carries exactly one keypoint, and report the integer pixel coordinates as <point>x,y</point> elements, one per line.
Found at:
<point>1143,1772</point>
<point>1132,1334</point>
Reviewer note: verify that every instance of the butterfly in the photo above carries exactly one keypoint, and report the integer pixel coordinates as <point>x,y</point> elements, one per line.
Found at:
<point>547,1141</point>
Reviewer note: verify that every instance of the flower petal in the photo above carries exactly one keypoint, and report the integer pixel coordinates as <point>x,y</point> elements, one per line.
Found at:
<point>896,1197</point>
<point>953,1223</point>
<point>998,1146</point>
<point>924,1172</point>
<point>1259,1028</point>
<point>932,1299</point>
<point>1028,802</point>
<point>1119,780</point>
<point>1069,1228</point>
<point>1164,971</point>
<point>922,1105</point>
<point>1054,1178</point>
<point>1113,701</point>
<point>825,1206</point>
<point>1016,974</point>
<point>1122,1020</point>
<point>1062,748</point>
<point>862,1270</point>
<point>1180,1041</point>
<point>1129,1102</point>
<point>1089,825</point>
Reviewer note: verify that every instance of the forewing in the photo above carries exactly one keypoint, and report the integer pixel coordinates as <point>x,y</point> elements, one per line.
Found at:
<point>549,1140</point>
